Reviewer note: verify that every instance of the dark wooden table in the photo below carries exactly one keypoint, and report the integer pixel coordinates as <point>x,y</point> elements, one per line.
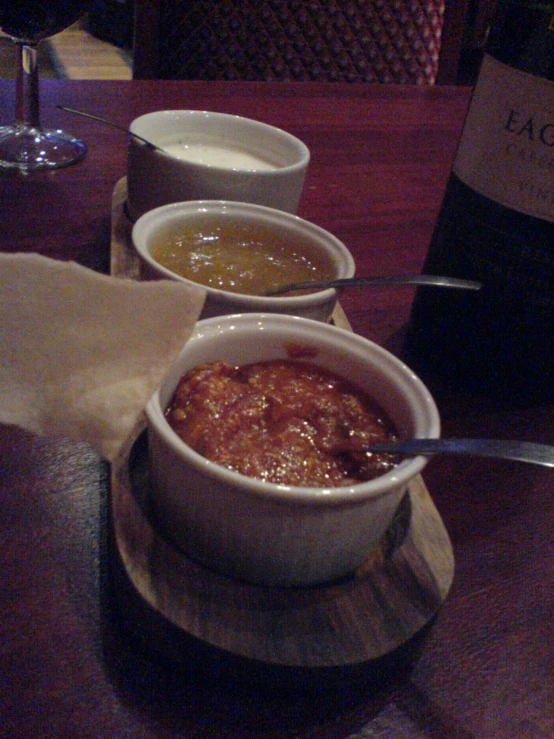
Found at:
<point>69,664</point>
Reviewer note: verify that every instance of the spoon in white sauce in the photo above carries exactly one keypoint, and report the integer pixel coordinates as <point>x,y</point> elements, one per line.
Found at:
<point>112,124</point>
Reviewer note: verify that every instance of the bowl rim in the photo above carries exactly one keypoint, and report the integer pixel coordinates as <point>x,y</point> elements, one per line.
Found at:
<point>363,491</point>
<point>302,162</point>
<point>287,302</point>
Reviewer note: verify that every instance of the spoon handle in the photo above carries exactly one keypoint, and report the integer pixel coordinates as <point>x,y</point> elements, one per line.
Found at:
<point>385,280</point>
<point>109,123</point>
<point>521,451</point>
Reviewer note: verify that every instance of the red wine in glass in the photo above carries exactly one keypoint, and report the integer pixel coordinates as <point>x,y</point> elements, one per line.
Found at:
<point>25,145</point>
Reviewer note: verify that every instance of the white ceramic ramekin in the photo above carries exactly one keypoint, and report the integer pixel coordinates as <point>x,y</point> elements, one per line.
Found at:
<point>272,534</point>
<point>156,178</point>
<point>317,305</point>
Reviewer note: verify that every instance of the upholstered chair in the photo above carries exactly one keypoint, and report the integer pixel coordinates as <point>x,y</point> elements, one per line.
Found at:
<point>387,41</point>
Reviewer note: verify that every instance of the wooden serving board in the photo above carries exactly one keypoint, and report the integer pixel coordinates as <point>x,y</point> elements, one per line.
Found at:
<point>396,592</point>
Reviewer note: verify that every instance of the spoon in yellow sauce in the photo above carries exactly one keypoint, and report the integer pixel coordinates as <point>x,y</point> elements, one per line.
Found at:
<point>383,281</point>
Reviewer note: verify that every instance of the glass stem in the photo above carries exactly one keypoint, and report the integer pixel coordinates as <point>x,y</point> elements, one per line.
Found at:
<point>26,91</point>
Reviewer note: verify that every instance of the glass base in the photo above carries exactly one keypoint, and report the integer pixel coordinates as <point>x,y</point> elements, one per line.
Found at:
<point>26,149</point>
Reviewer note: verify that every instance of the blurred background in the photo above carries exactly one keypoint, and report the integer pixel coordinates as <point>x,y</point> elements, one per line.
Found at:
<point>99,46</point>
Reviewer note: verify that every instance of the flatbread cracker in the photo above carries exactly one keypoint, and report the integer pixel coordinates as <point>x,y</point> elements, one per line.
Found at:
<point>82,353</point>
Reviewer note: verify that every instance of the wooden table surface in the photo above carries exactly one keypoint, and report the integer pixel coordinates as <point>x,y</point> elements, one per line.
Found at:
<point>71,662</point>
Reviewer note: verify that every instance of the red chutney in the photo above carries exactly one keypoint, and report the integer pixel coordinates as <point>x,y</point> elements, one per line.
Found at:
<point>285,421</point>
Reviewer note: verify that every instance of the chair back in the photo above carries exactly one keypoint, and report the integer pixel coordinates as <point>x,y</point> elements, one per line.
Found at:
<point>386,41</point>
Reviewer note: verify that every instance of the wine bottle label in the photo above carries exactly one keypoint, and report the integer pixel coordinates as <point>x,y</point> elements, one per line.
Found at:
<point>506,152</point>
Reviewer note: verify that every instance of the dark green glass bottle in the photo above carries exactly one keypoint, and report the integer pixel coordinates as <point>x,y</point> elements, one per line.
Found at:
<point>497,225</point>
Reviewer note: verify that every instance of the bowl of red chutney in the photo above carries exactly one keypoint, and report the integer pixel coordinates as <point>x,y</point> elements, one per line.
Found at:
<point>257,447</point>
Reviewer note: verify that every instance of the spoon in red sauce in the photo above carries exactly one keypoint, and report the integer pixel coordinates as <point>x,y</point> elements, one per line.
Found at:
<point>520,451</point>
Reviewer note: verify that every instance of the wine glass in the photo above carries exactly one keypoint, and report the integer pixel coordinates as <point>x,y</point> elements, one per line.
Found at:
<point>25,145</point>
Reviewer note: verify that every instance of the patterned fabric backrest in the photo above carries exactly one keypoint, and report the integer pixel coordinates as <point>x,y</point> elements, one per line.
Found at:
<point>396,41</point>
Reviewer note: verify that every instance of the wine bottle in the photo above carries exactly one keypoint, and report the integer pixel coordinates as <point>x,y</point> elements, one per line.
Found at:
<point>496,225</point>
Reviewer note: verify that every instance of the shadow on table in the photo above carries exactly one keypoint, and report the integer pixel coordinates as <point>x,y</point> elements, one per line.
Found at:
<point>176,680</point>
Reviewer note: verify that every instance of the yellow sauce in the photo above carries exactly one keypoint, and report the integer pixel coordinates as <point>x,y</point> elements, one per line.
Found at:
<point>238,256</point>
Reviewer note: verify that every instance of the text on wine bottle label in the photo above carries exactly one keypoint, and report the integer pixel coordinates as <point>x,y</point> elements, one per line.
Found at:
<point>506,152</point>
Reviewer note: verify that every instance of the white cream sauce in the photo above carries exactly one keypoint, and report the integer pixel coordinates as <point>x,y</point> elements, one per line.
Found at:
<point>214,155</point>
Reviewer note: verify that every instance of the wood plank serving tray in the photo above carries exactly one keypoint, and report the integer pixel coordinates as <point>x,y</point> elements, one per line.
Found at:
<point>395,593</point>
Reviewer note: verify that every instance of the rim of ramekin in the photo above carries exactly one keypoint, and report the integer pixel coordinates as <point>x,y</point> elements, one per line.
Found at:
<point>256,302</point>
<point>376,488</point>
<point>303,152</point>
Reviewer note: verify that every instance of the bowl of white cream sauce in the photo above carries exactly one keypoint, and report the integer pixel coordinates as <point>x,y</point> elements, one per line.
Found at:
<point>202,155</point>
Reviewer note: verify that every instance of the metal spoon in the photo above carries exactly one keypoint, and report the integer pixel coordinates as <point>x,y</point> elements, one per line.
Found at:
<point>112,124</point>
<point>386,280</point>
<point>520,451</point>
